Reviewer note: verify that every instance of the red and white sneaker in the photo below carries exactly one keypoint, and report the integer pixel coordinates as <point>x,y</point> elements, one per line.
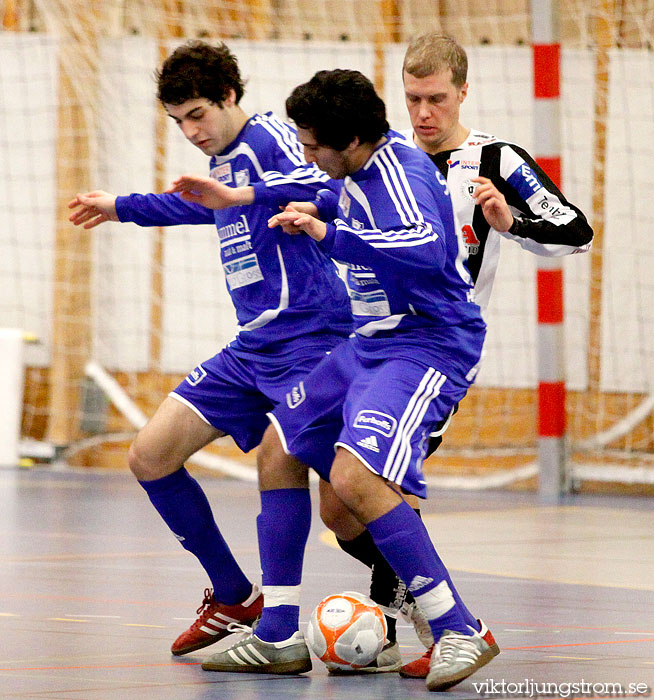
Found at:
<point>420,667</point>
<point>213,620</point>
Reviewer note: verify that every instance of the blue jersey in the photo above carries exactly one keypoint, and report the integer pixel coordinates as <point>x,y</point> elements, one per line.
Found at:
<point>392,226</point>
<point>282,287</point>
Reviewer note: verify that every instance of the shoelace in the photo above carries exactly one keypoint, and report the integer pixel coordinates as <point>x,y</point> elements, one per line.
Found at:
<point>208,599</point>
<point>238,627</point>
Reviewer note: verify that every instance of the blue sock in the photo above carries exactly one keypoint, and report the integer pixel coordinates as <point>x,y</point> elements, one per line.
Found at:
<point>283,526</point>
<point>181,502</point>
<point>470,619</point>
<point>403,540</point>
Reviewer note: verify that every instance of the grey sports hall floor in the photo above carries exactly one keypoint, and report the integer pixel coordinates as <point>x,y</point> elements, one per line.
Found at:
<point>93,589</point>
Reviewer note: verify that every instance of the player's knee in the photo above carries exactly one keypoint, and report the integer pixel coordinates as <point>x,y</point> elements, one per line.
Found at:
<point>343,478</point>
<point>141,463</point>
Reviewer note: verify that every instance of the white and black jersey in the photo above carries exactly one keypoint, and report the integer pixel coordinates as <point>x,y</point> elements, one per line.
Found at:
<point>545,222</point>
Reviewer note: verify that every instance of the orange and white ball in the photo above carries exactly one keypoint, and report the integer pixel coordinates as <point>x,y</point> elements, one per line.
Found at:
<point>346,630</point>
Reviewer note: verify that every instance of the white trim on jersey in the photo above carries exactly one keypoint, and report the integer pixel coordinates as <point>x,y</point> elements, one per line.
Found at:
<point>357,194</point>
<point>398,187</point>
<point>392,239</point>
<point>282,134</point>
<point>406,189</point>
<point>271,314</point>
<point>384,324</point>
<point>301,175</point>
<point>399,454</point>
<point>233,241</point>
<point>242,149</point>
<point>395,192</point>
<point>406,138</point>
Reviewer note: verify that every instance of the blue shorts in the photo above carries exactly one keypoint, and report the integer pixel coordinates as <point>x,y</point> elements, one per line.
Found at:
<point>234,391</point>
<point>382,411</point>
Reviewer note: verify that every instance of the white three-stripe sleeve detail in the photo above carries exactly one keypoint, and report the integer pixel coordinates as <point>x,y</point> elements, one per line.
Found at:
<point>403,185</point>
<point>283,141</point>
<point>392,192</point>
<point>288,136</point>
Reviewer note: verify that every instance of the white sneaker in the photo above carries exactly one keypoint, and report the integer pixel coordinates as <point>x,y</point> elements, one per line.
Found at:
<point>455,657</point>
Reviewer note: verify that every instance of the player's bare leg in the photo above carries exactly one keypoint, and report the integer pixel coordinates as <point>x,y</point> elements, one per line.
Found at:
<point>156,458</point>
<point>170,437</point>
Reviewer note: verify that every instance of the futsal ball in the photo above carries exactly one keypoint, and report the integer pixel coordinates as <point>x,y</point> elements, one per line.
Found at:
<point>346,630</point>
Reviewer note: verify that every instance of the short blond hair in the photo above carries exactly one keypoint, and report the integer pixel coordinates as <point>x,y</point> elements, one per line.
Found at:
<point>434,52</point>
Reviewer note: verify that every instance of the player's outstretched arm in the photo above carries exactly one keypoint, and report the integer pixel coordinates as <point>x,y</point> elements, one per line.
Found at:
<point>210,193</point>
<point>93,208</point>
<point>293,221</point>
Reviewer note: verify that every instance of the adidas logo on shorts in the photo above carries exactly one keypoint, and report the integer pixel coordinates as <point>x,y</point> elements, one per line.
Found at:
<point>370,443</point>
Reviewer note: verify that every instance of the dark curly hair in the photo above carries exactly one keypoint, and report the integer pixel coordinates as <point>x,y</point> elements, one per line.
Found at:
<point>338,106</point>
<point>197,69</point>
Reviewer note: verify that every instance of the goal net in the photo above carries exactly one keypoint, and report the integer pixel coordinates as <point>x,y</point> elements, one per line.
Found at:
<point>122,313</point>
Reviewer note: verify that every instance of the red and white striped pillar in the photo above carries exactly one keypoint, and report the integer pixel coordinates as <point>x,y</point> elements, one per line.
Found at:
<point>551,362</point>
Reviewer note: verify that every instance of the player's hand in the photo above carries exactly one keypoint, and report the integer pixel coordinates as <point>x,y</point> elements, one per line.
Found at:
<point>210,193</point>
<point>493,204</point>
<point>299,207</point>
<point>93,208</point>
<point>304,208</point>
<point>293,221</point>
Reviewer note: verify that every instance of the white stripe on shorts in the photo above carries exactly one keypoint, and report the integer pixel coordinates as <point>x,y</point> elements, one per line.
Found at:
<point>399,455</point>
